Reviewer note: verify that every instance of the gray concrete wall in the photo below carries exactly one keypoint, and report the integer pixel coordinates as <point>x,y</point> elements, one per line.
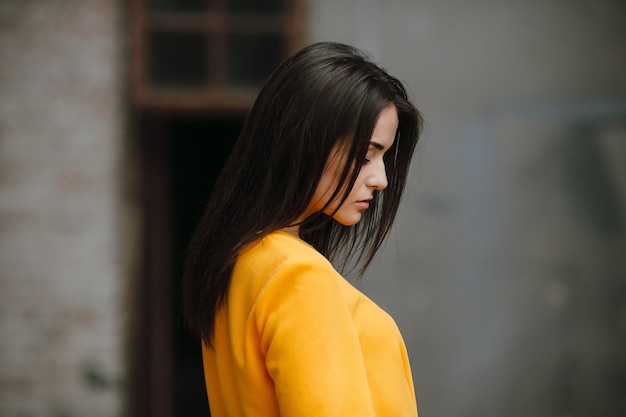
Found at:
<point>507,268</point>
<point>61,262</point>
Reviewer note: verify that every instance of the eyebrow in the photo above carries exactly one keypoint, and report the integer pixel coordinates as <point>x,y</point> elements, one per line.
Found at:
<point>377,146</point>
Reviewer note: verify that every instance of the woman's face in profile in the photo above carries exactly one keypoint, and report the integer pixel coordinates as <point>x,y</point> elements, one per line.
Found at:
<point>372,175</point>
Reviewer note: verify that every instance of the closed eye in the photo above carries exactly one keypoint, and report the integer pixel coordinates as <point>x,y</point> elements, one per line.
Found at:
<point>377,146</point>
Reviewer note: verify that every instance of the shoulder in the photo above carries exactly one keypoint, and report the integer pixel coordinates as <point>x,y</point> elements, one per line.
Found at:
<point>279,250</point>
<point>279,264</point>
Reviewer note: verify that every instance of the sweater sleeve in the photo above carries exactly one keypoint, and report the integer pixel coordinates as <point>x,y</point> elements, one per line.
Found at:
<point>312,351</point>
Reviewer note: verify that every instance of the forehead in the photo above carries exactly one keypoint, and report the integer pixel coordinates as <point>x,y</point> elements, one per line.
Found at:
<point>384,133</point>
<point>382,136</point>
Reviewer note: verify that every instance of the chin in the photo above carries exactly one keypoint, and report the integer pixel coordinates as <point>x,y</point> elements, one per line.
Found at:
<point>348,220</point>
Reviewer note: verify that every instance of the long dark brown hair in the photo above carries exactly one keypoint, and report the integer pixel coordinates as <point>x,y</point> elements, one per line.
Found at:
<point>325,94</point>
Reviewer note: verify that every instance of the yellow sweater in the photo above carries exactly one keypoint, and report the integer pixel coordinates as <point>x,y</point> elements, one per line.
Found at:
<point>294,338</point>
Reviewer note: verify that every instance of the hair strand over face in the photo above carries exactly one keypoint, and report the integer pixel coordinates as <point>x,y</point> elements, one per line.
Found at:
<point>324,95</point>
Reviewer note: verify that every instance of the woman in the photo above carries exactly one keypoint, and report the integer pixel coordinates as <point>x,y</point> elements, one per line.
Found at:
<point>315,177</point>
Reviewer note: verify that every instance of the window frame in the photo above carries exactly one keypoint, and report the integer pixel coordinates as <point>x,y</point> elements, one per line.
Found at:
<point>217,97</point>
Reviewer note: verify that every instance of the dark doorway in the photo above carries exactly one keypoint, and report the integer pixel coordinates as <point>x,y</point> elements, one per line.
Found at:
<point>182,156</point>
<point>199,150</point>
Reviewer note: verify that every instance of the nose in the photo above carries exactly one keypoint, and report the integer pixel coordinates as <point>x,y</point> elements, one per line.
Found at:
<point>377,177</point>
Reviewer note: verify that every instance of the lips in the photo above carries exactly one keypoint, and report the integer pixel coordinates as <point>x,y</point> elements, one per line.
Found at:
<point>364,204</point>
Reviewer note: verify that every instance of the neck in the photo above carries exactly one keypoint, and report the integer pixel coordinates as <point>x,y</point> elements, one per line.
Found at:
<point>292,230</point>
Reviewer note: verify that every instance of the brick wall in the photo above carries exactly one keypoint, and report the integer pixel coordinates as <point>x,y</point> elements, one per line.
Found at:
<point>61,268</point>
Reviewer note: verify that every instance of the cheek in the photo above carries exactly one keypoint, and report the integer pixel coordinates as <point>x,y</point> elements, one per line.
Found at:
<point>323,192</point>
<point>325,189</point>
<point>359,183</point>
<point>329,182</point>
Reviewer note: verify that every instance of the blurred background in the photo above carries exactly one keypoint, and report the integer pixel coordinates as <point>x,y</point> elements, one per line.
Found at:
<point>506,271</point>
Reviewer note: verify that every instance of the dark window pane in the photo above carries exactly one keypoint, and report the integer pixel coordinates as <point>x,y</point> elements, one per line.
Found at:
<point>178,5</point>
<point>251,58</point>
<point>178,59</point>
<point>256,6</point>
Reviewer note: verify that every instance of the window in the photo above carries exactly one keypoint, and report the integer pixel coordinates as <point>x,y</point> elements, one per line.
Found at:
<point>195,68</point>
<point>208,54</point>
